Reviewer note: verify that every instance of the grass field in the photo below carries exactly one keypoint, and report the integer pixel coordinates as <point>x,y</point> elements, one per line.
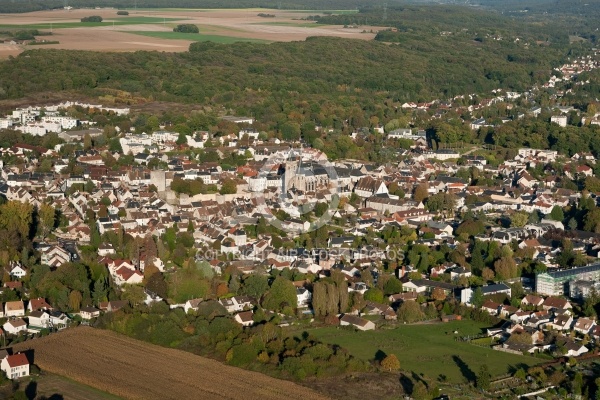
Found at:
<point>198,37</point>
<point>48,385</point>
<point>301,24</point>
<point>133,369</point>
<point>107,22</point>
<point>427,349</point>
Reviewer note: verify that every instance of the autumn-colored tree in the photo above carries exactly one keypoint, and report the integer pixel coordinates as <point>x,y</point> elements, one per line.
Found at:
<point>75,300</point>
<point>438,294</point>
<point>421,192</point>
<point>222,289</point>
<point>506,268</point>
<point>488,274</point>
<point>390,363</point>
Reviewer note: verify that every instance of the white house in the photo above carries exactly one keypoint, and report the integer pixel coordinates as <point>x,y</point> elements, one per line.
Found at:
<point>88,313</point>
<point>192,305</point>
<point>14,309</point>
<point>245,318</point>
<point>236,303</point>
<point>303,296</point>
<point>15,366</point>
<point>39,320</point>
<point>359,323</point>
<point>15,326</point>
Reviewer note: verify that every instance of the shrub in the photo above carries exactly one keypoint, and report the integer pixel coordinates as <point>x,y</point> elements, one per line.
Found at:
<point>121,12</point>
<point>93,18</point>
<point>186,28</point>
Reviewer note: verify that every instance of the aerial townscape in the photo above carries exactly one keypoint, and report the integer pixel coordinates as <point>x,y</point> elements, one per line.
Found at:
<point>308,201</point>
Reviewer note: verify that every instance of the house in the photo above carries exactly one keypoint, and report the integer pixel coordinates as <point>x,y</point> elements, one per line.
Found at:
<point>552,303</point>
<point>386,311</point>
<point>15,326</point>
<point>490,307</point>
<point>584,325</point>
<point>14,309</point>
<point>38,320</point>
<point>531,300</point>
<point>245,318</point>
<point>88,313</point>
<point>562,323</point>
<point>15,366</point>
<point>192,305</point>
<point>38,304</point>
<point>16,270</point>
<point>236,303</point>
<point>357,322</point>
<point>575,349</point>
<point>303,297</point>
<point>58,320</point>
<point>112,306</point>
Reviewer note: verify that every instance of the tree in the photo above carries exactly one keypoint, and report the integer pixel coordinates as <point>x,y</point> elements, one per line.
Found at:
<point>420,391</point>
<point>488,274</point>
<point>519,219</point>
<point>421,192</point>
<point>255,285</point>
<point>506,268</point>
<point>186,28</point>
<point>75,300</point>
<point>281,294</point>
<point>87,142</point>
<point>410,311</point>
<point>438,294</point>
<point>134,294</point>
<point>477,298</point>
<point>390,363</point>
<point>392,286</point>
<point>156,283</point>
<point>557,213</point>
<point>229,186</point>
<point>374,295</point>
<point>46,219</point>
<point>484,378</point>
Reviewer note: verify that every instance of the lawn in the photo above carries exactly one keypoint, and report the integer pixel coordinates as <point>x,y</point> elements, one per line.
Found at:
<point>198,37</point>
<point>427,349</point>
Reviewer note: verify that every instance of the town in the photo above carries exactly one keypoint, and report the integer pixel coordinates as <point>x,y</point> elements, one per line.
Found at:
<point>99,219</point>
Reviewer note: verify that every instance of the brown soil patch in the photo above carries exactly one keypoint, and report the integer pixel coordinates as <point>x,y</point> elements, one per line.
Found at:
<point>134,369</point>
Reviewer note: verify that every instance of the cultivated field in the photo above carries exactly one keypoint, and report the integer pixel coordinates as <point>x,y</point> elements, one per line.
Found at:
<point>428,349</point>
<point>152,29</point>
<point>132,369</point>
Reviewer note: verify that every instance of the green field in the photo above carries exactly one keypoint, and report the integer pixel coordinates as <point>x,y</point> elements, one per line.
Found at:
<point>427,349</point>
<point>115,21</point>
<point>198,37</point>
<point>300,24</point>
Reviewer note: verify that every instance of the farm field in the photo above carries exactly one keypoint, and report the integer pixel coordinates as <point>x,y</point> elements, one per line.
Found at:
<point>198,37</point>
<point>131,33</point>
<point>428,349</point>
<point>132,369</point>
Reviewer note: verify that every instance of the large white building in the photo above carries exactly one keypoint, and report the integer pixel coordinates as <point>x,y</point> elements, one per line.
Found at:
<point>555,283</point>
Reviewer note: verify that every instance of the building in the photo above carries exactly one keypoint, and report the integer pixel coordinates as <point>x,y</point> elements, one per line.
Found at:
<point>556,283</point>
<point>467,293</point>
<point>15,366</point>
